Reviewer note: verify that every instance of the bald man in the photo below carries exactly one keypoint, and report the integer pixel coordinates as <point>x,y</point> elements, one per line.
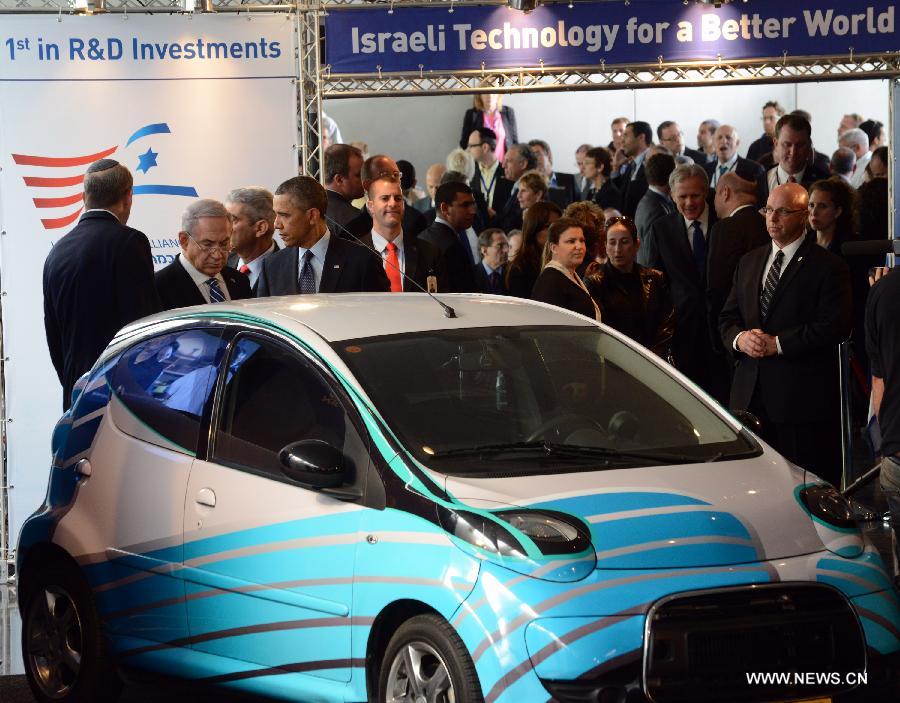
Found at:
<point>787,312</point>
<point>727,140</point>
<point>739,230</point>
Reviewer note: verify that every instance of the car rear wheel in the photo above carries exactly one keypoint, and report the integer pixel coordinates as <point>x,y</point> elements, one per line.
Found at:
<point>62,643</point>
<point>426,662</point>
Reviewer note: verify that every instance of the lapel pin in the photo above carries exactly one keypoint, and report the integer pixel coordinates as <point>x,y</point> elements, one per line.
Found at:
<point>337,266</point>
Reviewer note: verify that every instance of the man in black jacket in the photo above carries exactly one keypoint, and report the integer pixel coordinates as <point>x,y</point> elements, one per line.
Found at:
<point>455,214</point>
<point>315,260</point>
<point>787,312</point>
<point>199,274</point>
<point>97,278</point>
<point>252,230</point>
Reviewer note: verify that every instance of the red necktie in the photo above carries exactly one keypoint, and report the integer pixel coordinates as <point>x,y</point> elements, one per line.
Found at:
<point>244,269</point>
<point>392,269</point>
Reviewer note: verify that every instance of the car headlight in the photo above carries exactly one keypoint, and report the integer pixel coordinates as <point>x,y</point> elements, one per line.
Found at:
<point>553,533</point>
<point>828,505</point>
<point>480,532</point>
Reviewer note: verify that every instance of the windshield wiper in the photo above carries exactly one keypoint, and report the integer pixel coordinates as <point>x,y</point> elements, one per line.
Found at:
<point>613,453</point>
<point>572,451</point>
<point>499,448</point>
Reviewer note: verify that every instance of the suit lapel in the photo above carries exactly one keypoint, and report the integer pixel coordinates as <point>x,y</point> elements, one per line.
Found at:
<point>290,272</point>
<point>757,264</point>
<point>187,289</point>
<point>334,263</point>
<point>411,254</point>
<point>798,260</point>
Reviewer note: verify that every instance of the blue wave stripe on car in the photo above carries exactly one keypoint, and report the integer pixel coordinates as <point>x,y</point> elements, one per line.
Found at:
<point>622,533</point>
<point>673,556</point>
<point>869,573</point>
<point>615,502</point>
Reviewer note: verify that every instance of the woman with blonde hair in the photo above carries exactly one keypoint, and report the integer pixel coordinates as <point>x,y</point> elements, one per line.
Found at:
<point>490,112</point>
<point>533,188</point>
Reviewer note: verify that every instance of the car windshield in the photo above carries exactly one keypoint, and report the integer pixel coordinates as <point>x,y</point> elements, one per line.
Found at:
<point>534,400</point>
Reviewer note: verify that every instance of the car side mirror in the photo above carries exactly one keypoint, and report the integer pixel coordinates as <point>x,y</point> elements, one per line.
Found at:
<point>748,420</point>
<point>313,463</point>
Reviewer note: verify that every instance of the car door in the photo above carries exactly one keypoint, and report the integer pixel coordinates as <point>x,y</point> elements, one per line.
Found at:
<point>131,503</point>
<point>268,563</point>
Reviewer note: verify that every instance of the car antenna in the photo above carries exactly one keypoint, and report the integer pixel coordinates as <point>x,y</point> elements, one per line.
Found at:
<point>448,311</point>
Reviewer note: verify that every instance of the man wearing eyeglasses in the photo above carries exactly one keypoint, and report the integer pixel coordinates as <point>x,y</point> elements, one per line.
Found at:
<point>671,137</point>
<point>199,273</point>
<point>490,187</point>
<point>787,312</point>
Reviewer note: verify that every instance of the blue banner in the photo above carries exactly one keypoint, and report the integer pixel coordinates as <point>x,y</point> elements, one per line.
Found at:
<point>588,34</point>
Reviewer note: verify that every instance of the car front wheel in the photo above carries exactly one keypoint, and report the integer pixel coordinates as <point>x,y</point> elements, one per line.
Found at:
<point>62,643</point>
<point>426,662</point>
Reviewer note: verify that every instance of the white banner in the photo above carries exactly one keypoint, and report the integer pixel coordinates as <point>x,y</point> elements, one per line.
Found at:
<point>190,122</point>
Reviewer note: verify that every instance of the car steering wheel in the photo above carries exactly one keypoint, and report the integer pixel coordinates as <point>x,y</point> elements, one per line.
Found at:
<point>563,422</point>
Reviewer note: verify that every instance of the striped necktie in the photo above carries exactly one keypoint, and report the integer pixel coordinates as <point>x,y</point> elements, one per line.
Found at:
<point>307,275</point>
<point>215,293</point>
<point>768,291</point>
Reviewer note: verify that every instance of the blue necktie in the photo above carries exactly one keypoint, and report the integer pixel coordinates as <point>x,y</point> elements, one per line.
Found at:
<point>495,282</point>
<point>722,171</point>
<point>215,293</point>
<point>699,244</point>
<point>307,275</point>
<point>464,240</point>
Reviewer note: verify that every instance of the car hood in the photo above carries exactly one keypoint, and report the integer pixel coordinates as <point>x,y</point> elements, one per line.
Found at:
<point>690,515</point>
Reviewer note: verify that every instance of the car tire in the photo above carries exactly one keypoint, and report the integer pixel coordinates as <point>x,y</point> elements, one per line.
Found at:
<point>428,644</point>
<point>62,641</point>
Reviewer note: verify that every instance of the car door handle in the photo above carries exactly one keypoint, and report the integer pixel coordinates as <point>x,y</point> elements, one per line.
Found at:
<point>207,497</point>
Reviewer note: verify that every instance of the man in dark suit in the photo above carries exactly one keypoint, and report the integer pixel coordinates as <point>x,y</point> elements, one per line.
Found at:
<point>314,260</point>
<point>489,272</point>
<point>519,159</point>
<point>252,230</point>
<point>409,262</point>
<point>787,312</point>
<point>727,160</point>
<point>771,111</point>
<point>670,136</point>
<point>455,214</point>
<point>375,167</point>
<point>657,201</point>
<point>97,278</point>
<point>564,183</point>
<point>199,274</point>
<point>740,229</point>
<point>343,182</point>
<point>432,180</point>
<point>677,246</point>
<point>489,186</point>
<point>632,183</point>
<point>793,134</point>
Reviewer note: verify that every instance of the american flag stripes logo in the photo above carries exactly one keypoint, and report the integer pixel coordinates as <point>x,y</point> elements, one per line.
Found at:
<point>58,180</point>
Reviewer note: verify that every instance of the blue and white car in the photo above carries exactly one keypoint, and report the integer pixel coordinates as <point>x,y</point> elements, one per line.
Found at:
<point>357,498</point>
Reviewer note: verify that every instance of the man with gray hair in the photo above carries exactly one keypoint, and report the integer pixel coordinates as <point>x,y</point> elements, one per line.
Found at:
<point>252,230</point>
<point>677,246</point>
<point>97,278</point>
<point>858,142</point>
<point>199,274</point>
<point>842,163</point>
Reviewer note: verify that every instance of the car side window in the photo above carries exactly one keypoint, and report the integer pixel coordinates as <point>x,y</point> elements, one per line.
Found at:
<point>167,383</point>
<point>273,397</point>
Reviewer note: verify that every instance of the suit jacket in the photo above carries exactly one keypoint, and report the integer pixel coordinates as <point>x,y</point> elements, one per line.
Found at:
<point>421,260</point>
<point>749,171</point>
<point>502,190</point>
<point>760,148</point>
<point>608,196</point>
<point>425,204</point>
<point>348,268</point>
<point>670,252</point>
<point>483,283</point>
<point>555,288</point>
<point>457,264</point>
<point>632,189</point>
<point>97,278</point>
<point>509,217</point>
<point>177,289</point>
<point>565,182</point>
<point>339,209</point>
<point>234,260</point>
<point>699,157</point>
<point>810,315</point>
<point>729,240</point>
<point>475,118</point>
<point>649,210</point>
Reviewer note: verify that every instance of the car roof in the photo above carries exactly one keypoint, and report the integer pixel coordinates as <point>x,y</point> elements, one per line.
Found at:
<point>341,316</point>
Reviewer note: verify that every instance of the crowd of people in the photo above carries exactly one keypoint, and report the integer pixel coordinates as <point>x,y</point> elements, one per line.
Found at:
<point>730,268</point>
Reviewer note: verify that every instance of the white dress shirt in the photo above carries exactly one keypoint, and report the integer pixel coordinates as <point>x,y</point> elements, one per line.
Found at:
<point>859,175</point>
<point>380,244</point>
<point>778,176</point>
<point>255,266</point>
<point>319,250</point>
<point>704,227</point>
<point>717,171</point>
<point>489,176</point>
<point>200,279</point>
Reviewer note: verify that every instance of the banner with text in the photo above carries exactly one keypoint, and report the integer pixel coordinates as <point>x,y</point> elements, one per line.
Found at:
<point>193,107</point>
<point>412,39</point>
